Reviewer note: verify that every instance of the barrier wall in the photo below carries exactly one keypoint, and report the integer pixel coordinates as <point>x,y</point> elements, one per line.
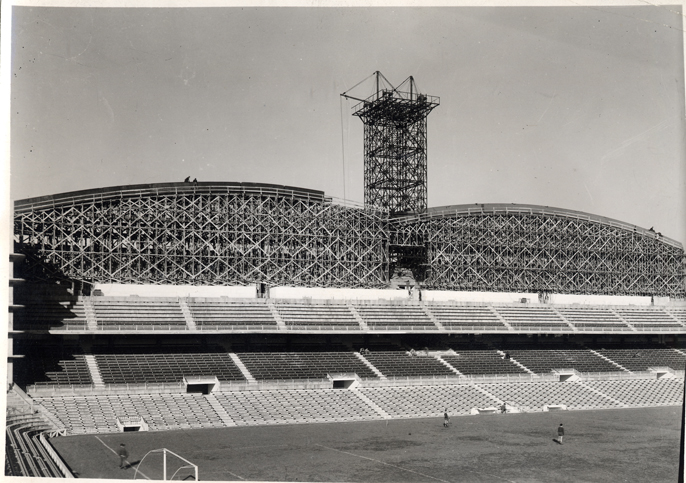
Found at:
<point>320,293</point>
<point>125,290</point>
<point>337,293</point>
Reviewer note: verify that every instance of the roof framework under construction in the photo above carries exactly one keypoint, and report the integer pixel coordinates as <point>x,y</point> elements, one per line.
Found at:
<point>204,234</point>
<point>514,248</point>
<point>243,233</point>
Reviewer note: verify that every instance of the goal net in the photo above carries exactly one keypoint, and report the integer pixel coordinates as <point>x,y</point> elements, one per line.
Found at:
<point>164,464</point>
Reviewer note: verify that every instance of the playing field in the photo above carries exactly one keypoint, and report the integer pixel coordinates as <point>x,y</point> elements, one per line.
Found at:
<point>634,445</point>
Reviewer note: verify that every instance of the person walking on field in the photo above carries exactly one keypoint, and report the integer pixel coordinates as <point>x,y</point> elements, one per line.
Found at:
<point>446,418</point>
<point>123,454</point>
<point>560,433</point>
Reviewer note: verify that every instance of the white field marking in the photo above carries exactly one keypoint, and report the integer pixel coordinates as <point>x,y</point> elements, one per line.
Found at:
<point>411,471</point>
<point>127,461</point>
<point>383,463</point>
<point>221,473</point>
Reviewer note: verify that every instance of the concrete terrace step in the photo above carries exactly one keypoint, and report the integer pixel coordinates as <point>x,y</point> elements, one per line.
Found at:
<point>370,365</point>
<point>241,366</point>
<point>219,409</point>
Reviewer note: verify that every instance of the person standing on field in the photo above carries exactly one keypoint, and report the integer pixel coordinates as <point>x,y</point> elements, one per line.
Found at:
<point>560,433</point>
<point>123,454</point>
<point>446,418</point>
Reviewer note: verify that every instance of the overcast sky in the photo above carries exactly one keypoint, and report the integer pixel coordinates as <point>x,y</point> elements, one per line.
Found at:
<point>572,107</point>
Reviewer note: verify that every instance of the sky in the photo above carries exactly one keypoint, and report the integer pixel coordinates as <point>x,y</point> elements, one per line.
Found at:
<point>570,107</point>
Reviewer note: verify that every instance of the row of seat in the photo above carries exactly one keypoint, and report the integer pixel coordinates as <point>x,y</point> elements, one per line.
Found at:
<point>212,314</point>
<point>144,368</point>
<point>92,414</point>
<point>89,414</point>
<point>543,361</point>
<point>165,368</point>
<point>480,362</point>
<point>399,364</point>
<point>303,365</point>
<point>642,359</point>
<point>25,454</point>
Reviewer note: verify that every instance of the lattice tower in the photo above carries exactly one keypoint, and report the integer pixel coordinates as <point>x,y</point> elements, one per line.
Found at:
<point>395,145</point>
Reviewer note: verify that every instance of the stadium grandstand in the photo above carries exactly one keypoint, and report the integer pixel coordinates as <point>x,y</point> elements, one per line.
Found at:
<point>222,304</point>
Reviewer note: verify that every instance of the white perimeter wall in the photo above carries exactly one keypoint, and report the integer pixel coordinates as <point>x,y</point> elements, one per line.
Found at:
<point>316,293</point>
<point>532,298</point>
<point>119,290</point>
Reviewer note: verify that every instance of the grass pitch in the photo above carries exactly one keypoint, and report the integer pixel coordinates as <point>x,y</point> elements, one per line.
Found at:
<point>623,445</point>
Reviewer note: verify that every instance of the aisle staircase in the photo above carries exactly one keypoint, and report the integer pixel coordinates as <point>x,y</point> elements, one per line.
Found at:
<point>244,370</point>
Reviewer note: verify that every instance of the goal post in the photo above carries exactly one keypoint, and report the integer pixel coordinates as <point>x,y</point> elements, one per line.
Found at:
<point>171,466</point>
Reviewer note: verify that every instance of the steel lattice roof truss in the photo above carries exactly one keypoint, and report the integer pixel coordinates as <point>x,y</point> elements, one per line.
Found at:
<point>500,250</point>
<point>211,234</point>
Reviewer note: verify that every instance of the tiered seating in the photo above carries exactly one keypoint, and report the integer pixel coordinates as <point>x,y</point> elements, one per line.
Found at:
<point>76,412</point>
<point>593,318</point>
<point>427,401</point>
<point>302,365</point>
<point>543,361</point>
<point>642,392</point>
<point>482,362</point>
<point>285,406</point>
<point>395,317</point>
<point>215,314</point>
<point>648,319</point>
<point>94,414</point>
<point>533,396</point>
<point>73,372</point>
<point>27,454</point>
<point>51,315</point>
<point>187,411</point>
<point>317,316</point>
<point>678,312</point>
<point>532,318</point>
<point>642,359</point>
<point>474,318</point>
<point>401,364</point>
<point>138,314</point>
<point>165,368</point>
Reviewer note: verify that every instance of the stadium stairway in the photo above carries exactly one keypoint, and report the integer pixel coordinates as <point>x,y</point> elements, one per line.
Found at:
<point>370,365</point>
<point>244,370</point>
<point>219,410</point>
<point>357,316</point>
<point>600,393</point>
<point>514,361</point>
<point>94,371</point>
<point>187,315</point>
<point>446,364</point>
<point>371,404</point>
<point>610,360</point>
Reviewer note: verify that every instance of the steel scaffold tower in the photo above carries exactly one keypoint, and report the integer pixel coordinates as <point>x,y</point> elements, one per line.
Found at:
<point>395,172</point>
<point>204,234</point>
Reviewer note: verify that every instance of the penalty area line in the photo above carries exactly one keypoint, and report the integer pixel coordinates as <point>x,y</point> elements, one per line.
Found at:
<point>127,461</point>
